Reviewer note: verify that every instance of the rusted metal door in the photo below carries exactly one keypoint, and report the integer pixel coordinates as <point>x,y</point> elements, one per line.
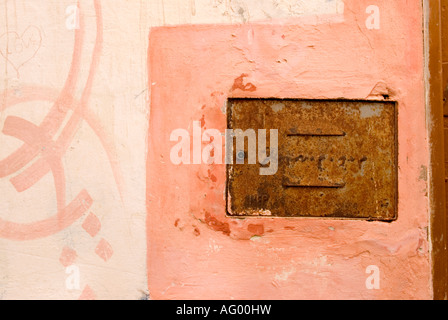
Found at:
<point>336,159</point>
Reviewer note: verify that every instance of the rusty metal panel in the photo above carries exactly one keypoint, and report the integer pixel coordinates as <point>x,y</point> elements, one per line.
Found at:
<point>336,159</point>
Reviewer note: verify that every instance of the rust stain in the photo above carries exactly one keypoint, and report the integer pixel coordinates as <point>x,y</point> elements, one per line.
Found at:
<point>336,159</point>
<point>196,231</point>
<point>212,176</point>
<point>239,84</point>
<point>202,121</point>
<point>256,229</point>
<point>217,225</point>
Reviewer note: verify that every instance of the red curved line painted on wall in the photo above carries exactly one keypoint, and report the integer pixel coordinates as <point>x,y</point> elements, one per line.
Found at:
<point>45,228</point>
<point>31,175</point>
<point>38,140</point>
<point>34,136</point>
<point>55,117</point>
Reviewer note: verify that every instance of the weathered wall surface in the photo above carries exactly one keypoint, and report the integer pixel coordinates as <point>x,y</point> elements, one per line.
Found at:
<point>87,195</point>
<point>194,249</point>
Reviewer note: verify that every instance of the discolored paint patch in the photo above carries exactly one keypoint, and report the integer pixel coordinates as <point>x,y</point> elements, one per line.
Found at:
<point>239,84</point>
<point>368,111</point>
<point>212,176</point>
<point>196,232</point>
<point>277,107</point>
<point>423,173</point>
<point>216,225</point>
<point>256,229</point>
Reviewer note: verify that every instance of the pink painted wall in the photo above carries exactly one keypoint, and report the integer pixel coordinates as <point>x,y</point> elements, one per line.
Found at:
<point>91,205</point>
<point>194,250</point>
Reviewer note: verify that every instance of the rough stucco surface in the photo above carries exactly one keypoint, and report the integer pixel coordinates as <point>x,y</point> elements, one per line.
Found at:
<point>194,250</point>
<point>82,184</point>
